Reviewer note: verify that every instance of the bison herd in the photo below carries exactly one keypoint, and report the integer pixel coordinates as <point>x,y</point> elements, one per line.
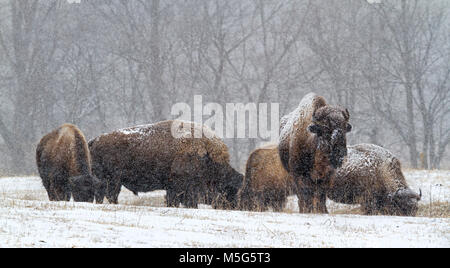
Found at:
<point>311,160</point>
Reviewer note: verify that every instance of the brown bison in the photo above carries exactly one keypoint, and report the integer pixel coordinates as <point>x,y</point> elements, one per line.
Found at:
<point>166,156</point>
<point>372,176</point>
<point>312,145</point>
<point>266,182</point>
<point>64,165</point>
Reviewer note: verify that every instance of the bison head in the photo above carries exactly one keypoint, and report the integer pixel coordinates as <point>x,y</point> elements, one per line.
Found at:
<point>100,190</point>
<point>404,202</point>
<point>231,181</point>
<point>330,125</point>
<point>83,187</point>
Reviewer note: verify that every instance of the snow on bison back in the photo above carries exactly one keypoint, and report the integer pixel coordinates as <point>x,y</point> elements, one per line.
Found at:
<point>166,156</point>
<point>372,176</point>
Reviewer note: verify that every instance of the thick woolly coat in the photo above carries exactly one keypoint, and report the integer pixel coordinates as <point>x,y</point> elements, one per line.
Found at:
<point>372,176</point>
<point>166,156</point>
<point>266,183</point>
<point>61,155</point>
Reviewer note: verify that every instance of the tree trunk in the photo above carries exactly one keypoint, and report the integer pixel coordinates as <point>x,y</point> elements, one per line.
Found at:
<point>157,97</point>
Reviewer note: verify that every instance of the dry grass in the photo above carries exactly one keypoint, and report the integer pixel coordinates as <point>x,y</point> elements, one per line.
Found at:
<point>352,211</point>
<point>152,201</point>
<point>32,191</point>
<point>434,210</point>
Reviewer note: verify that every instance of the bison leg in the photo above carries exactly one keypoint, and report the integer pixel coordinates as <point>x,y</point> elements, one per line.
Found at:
<point>51,195</point>
<point>191,201</point>
<point>112,191</point>
<point>67,195</point>
<point>369,207</point>
<point>305,199</point>
<point>258,202</point>
<point>99,195</point>
<point>99,190</point>
<point>60,186</point>
<point>192,193</point>
<point>320,202</point>
<point>188,179</point>
<point>305,195</point>
<point>311,198</point>
<point>172,197</point>
<point>246,200</point>
<point>278,202</point>
<point>48,188</point>
<point>60,194</point>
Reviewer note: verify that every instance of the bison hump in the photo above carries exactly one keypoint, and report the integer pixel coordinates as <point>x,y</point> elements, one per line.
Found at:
<point>301,116</point>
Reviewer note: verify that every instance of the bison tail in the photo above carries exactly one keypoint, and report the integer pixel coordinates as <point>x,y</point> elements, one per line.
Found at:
<point>39,150</point>
<point>245,194</point>
<point>82,153</point>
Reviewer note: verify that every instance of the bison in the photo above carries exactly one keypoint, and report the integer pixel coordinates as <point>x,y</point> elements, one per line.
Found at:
<point>64,165</point>
<point>372,176</point>
<point>166,156</point>
<point>266,182</point>
<point>312,145</point>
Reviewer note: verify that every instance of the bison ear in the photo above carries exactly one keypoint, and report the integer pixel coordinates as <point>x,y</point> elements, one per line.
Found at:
<point>316,129</point>
<point>349,128</point>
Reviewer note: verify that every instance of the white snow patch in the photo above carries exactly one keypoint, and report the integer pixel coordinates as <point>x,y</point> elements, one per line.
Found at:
<point>435,184</point>
<point>27,219</point>
<point>143,130</point>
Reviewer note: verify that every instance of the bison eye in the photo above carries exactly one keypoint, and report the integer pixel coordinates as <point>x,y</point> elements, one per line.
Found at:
<point>315,129</point>
<point>349,128</point>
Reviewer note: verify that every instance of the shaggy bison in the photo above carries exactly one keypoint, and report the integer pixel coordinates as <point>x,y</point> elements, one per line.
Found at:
<point>266,182</point>
<point>372,177</point>
<point>63,162</point>
<point>166,156</point>
<point>312,145</point>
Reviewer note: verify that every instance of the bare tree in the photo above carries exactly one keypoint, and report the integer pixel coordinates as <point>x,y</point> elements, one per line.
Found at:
<point>29,39</point>
<point>409,56</point>
<point>107,64</point>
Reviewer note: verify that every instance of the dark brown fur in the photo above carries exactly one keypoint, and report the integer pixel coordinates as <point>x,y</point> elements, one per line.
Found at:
<point>147,158</point>
<point>372,177</point>
<point>312,145</point>
<point>266,183</point>
<point>64,164</point>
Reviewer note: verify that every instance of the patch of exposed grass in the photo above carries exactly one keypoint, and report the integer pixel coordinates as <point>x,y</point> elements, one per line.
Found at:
<point>29,197</point>
<point>352,211</point>
<point>146,201</point>
<point>434,210</point>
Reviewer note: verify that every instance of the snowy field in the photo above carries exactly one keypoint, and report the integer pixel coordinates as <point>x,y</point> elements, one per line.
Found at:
<point>27,219</point>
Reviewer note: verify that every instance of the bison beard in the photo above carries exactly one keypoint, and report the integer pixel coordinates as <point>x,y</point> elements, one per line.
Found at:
<point>147,158</point>
<point>312,145</point>
<point>372,177</point>
<point>63,162</point>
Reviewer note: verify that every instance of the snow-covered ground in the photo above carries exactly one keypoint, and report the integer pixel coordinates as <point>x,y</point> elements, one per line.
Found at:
<point>27,219</point>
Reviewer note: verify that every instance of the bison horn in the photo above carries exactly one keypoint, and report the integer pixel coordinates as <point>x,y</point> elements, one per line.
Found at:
<point>346,114</point>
